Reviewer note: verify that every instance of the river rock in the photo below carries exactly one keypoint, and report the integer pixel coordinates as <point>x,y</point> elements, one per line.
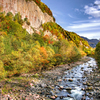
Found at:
<point>61,97</point>
<point>43,85</point>
<point>70,80</point>
<point>61,87</point>
<point>83,89</point>
<point>65,79</point>
<point>83,98</point>
<point>82,67</point>
<point>97,84</point>
<point>68,88</point>
<point>84,83</point>
<point>89,88</point>
<point>89,84</point>
<point>55,96</point>
<point>59,80</point>
<point>52,97</point>
<point>68,95</point>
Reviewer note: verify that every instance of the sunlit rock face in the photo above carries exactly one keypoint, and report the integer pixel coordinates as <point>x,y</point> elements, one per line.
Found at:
<point>26,9</point>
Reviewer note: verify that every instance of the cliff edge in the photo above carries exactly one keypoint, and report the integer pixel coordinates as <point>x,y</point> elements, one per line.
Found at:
<point>28,10</point>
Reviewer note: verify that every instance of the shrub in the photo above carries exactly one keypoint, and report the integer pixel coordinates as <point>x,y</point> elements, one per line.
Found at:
<point>97,53</point>
<point>2,45</point>
<point>18,18</point>
<point>2,70</point>
<point>27,22</point>
<point>58,59</point>
<point>9,14</point>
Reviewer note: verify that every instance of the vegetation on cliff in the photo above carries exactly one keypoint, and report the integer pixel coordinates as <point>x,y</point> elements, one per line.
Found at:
<point>57,30</point>
<point>43,7</point>
<point>97,54</point>
<point>21,52</point>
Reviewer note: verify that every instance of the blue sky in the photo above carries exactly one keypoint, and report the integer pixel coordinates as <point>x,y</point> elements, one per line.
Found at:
<point>79,16</point>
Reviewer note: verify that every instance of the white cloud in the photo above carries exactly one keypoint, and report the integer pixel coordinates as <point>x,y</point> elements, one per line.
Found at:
<point>56,13</point>
<point>93,10</point>
<point>87,28</point>
<point>89,17</point>
<point>90,35</point>
<point>70,16</point>
<point>84,25</point>
<point>97,2</point>
<point>77,10</point>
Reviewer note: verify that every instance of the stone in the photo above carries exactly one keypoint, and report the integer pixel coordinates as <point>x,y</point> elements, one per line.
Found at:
<point>65,79</point>
<point>70,80</point>
<point>59,80</point>
<point>68,95</point>
<point>61,87</point>
<point>43,85</point>
<point>61,97</point>
<point>53,97</point>
<point>82,67</point>
<point>83,89</point>
<point>83,98</point>
<point>84,83</point>
<point>89,88</point>
<point>56,96</point>
<point>68,88</point>
<point>89,84</point>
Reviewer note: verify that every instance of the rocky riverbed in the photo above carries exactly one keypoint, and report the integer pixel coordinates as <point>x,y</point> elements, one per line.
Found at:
<point>75,81</point>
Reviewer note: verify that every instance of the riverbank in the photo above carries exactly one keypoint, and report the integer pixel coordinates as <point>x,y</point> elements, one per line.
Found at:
<point>35,86</point>
<point>93,83</point>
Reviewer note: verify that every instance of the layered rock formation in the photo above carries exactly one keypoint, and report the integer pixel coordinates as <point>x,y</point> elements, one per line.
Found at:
<point>26,9</point>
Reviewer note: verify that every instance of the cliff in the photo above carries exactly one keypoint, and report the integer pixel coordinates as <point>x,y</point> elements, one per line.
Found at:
<point>27,9</point>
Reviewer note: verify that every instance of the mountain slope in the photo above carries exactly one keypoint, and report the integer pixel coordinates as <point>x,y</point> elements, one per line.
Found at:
<point>60,33</point>
<point>92,42</point>
<point>48,46</point>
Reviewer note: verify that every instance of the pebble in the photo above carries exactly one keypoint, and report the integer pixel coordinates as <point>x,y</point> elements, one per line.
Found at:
<point>61,87</point>
<point>68,95</point>
<point>70,80</point>
<point>52,97</point>
<point>59,80</point>
<point>43,85</point>
<point>68,88</point>
<point>83,98</point>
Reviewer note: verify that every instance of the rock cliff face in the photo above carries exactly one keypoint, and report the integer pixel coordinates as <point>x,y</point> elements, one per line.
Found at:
<point>26,9</point>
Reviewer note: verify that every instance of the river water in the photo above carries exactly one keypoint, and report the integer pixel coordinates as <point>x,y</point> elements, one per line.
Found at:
<point>74,82</point>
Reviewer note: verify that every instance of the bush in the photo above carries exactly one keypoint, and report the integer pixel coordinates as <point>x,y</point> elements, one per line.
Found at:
<point>97,53</point>
<point>2,45</point>
<point>2,70</point>
<point>18,18</point>
<point>27,22</point>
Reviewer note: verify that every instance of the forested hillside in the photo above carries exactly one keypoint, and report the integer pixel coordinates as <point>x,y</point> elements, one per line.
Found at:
<point>21,52</point>
<point>57,30</point>
<point>92,42</point>
<point>97,53</point>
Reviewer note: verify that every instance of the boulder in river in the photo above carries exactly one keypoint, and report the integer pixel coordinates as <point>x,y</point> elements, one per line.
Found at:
<point>59,80</point>
<point>68,88</point>
<point>53,97</point>
<point>89,88</point>
<point>70,80</point>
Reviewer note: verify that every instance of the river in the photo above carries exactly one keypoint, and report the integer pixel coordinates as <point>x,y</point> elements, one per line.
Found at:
<point>73,85</point>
